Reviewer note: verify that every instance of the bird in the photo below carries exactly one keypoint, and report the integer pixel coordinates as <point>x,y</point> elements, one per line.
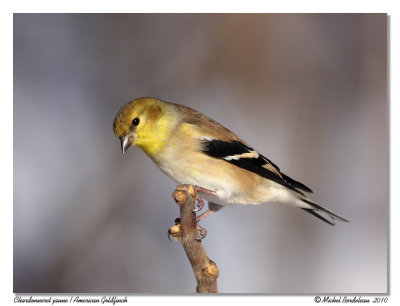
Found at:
<point>191,148</point>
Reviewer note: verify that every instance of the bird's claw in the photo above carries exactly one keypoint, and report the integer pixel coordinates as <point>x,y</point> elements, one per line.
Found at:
<point>202,233</point>
<point>200,204</point>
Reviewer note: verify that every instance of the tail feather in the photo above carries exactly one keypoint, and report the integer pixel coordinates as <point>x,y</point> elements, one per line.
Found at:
<point>315,213</point>
<point>295,183</point>
<point>317,209</point>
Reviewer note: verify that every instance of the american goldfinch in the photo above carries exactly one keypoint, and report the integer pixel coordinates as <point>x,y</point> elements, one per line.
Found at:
<point>194,149</point>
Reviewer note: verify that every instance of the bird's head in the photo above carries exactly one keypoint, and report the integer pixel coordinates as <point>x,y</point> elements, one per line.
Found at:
<point>144,122</point>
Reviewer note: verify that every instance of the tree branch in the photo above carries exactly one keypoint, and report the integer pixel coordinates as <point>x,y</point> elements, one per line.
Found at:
<point>185,231</point>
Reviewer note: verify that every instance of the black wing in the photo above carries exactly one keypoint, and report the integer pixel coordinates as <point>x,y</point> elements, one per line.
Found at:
<point>243,156</point>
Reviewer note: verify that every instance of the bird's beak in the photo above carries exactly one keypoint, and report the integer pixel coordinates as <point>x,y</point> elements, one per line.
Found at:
<point>125,143</point>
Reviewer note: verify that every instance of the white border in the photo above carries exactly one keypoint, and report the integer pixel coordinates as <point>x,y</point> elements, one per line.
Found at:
<point>74,6</point>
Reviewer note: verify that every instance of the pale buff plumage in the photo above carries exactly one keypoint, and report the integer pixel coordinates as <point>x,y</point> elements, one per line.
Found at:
<point>172,136</point>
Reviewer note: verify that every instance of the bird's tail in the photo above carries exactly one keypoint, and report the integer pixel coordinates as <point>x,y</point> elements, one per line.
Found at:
<point>322,213</point>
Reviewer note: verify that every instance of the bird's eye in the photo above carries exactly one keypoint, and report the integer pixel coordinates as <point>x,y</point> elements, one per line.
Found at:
<point>135,121</point>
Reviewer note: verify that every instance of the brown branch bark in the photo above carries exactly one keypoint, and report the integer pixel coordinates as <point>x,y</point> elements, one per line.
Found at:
<point>185,231</point>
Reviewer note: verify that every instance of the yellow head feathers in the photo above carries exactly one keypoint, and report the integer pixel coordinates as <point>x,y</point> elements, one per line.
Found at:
<point>144,122</point>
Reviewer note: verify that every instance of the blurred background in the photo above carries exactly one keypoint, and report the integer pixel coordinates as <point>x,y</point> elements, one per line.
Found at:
<point>309,91</point>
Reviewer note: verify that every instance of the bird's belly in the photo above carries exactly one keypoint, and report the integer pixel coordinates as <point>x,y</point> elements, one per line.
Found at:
<point>224,186</point>
<point>228,183</point>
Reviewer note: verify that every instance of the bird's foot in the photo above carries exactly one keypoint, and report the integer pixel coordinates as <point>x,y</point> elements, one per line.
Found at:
<point>199,203</point>
<point>202,233</point>
<point>199,200</point>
